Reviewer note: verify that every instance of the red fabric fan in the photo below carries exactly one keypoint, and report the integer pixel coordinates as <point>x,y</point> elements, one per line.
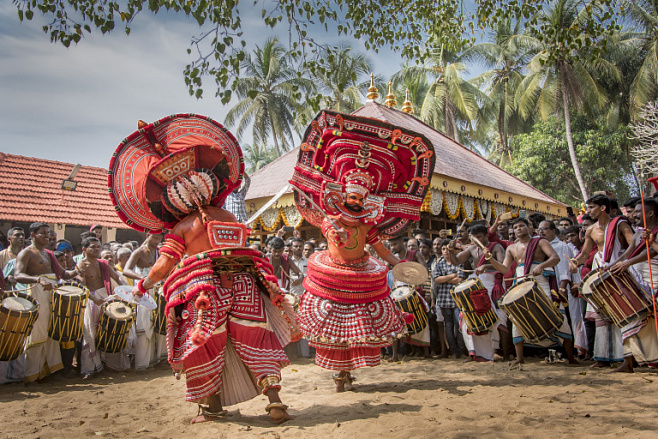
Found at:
<point>167,169</point>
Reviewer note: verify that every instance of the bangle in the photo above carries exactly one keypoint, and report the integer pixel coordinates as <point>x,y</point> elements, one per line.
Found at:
<point>140,286</point>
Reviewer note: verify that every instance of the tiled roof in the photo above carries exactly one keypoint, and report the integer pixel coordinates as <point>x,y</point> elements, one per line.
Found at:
<point>452,160</point>
<point>455,160</point>
<point>31,190</point>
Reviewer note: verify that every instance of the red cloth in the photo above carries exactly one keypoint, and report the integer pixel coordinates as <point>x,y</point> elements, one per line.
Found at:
<point>498,289</point>
<point>611,237</point>
<point>105,275</point>
<point>481,302</point>
<point>56,267</point>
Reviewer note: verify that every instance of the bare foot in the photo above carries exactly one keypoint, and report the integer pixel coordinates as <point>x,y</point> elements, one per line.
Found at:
<point>599,365</point>
<point>574,361</point>
<point>278,412</point>
<point>625,368</point>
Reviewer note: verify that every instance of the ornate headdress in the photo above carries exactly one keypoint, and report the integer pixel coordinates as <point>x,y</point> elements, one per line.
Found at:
<point>167,169</point>
<point>389,165</point>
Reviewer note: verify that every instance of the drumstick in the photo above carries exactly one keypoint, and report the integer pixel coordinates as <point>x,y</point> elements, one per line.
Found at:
<point>477,241</point>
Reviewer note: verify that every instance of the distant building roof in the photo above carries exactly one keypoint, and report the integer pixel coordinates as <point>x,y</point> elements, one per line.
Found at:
<point>31,190</point>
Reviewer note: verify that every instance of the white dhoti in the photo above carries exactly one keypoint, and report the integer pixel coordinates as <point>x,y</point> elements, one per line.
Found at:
<point>576,308</point>
<point>639,337</point>
<point>144,341</point>
<point>562,333</point>
<point>90,359</point>
<point>608,345</point>
<point>481,347</point>
<point>42,355</point>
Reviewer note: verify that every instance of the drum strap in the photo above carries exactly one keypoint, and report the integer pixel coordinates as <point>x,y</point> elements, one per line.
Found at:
<point>57,269</point>
<point>105,275</point>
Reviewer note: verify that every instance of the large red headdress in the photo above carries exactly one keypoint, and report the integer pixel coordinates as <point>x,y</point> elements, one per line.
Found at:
<point>167,169</point>
<point>390,166</point>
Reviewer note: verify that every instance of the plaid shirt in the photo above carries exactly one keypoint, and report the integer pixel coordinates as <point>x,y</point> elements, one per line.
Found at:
<point>442,291</point>
<point>235,201</point>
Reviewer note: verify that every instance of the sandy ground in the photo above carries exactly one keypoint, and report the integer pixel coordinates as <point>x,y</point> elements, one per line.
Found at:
<point>415,398</point>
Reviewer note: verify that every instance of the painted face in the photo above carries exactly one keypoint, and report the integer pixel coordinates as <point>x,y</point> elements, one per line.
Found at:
<point>354,201</point>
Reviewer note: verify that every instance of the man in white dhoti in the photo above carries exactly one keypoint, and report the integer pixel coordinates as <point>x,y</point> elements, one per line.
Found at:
<point>639,337</point>
<point>534,256</point>
<point>97,275</point>
<point>481,347</point>
<point>565,280</point>
<point>611,235</point>
<point>37,267</point>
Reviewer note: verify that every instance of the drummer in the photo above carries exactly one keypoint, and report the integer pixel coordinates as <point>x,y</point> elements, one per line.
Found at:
<point>37,267</point>
<point>533,255</point>
<point>96,275</point>
<point>481,347</point>
<point>611,235</point>
<point>639,337</point>
<point>404,252</point>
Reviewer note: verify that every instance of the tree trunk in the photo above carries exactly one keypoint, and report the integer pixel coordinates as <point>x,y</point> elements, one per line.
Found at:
<point>276,143</point>
<point>572,150</point>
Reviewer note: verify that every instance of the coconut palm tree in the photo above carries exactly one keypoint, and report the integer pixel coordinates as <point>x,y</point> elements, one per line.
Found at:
<point>644,88</point>
<point>561,79</point>
<point>269,94</point>
<point>451,102</point>
<point>506,56</point>
<point>343,77</point>
<point>256,156</point>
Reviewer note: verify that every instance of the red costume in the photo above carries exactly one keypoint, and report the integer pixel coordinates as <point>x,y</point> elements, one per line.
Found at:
<point>346,312</point>
<point>227,320</point>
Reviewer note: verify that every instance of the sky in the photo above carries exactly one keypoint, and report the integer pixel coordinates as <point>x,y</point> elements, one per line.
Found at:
<point>76,105</point>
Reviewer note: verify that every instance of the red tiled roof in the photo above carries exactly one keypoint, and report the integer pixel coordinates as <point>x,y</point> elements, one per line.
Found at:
<point>31,190</point>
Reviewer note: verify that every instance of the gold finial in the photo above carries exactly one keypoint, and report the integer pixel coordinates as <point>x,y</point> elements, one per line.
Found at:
<point>390,97</point>
<point>373,93</point>
<point>407,106</point>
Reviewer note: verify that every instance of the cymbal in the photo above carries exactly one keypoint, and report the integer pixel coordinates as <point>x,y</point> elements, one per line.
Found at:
<point>411,273</point>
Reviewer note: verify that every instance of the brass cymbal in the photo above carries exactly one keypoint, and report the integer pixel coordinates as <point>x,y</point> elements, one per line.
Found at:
<point>411,273</point>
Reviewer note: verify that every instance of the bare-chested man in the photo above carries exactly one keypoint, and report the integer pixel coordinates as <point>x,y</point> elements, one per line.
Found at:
<point>150,348</point>
<point>533,255</point>
<point>481,347</point>
<point>37,267</point>
<point>404,252</point>
<point>611,236</point>
<point>639,336</point>
<point>96,274</point>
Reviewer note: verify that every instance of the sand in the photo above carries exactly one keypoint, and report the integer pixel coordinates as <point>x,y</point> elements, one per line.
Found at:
<point>415,399</point>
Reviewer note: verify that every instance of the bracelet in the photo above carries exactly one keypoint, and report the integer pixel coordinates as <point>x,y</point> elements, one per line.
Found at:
<point>140,286</point>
